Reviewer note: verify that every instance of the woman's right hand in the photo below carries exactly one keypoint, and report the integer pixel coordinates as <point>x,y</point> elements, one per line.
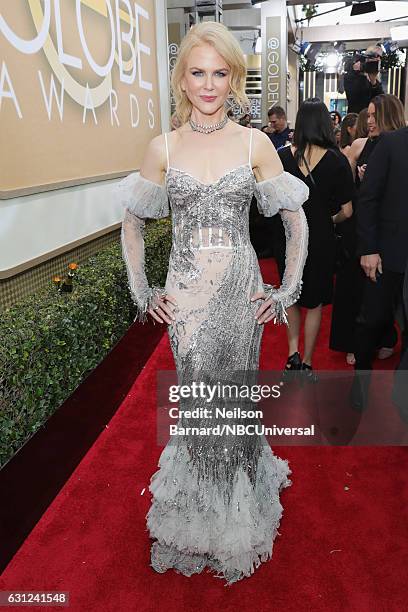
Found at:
<point>266,311</point>
<point>163,308</point>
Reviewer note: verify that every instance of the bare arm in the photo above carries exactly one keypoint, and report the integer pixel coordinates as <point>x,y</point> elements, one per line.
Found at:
<point>144,196</point>
<point>354,153</point>
<point>343,214</point>
<point>155,162</point>
<point>265,160</point>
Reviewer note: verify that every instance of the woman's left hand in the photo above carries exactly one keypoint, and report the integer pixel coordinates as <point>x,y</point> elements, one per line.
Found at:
<point>266,311</point>
<point>361,171</point>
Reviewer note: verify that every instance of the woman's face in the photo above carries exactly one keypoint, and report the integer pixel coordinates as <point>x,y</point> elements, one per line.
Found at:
<point>352,130</point>
<point>371,122</point>
<point>338,136</point>
<point>206,79</point>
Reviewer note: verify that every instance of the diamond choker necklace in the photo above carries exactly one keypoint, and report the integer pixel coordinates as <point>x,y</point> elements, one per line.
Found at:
<point>206,129</point>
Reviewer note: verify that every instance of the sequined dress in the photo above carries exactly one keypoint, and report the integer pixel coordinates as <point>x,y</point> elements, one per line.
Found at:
<point>215,498</point>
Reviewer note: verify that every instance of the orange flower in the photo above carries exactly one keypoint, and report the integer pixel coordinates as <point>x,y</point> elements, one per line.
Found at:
<point>73,266</point>
<point>57,279</point>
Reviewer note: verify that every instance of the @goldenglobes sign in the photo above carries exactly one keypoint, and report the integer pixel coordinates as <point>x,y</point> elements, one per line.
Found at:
<point>273,71</point>
<point>123,22</point>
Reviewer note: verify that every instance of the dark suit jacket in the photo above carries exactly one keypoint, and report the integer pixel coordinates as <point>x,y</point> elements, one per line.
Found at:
<point>382,211</point>
<point>400,388</point>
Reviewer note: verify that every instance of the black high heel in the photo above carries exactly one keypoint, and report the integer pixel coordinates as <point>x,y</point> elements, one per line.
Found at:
<point>308,373</point>
<point>292,368</point>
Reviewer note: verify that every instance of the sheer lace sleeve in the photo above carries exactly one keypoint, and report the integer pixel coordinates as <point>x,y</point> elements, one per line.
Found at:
<point>142,199</point>
<point>286,194</point>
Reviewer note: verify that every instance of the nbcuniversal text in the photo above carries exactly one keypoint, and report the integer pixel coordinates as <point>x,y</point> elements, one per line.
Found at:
<point>239,429</point>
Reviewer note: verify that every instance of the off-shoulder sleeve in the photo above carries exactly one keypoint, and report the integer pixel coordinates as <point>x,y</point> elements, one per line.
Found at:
<point>281,191</point>
<point>142,199</point>
<point>286,194</point>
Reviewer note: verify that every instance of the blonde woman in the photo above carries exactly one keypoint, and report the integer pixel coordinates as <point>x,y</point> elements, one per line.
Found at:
<point>215,497</point>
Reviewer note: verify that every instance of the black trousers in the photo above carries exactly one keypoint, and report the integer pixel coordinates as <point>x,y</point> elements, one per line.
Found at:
<point>400,389</point>
<point>377,309</point>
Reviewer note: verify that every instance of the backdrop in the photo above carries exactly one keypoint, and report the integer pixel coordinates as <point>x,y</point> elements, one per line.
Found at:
<point>79,95</point>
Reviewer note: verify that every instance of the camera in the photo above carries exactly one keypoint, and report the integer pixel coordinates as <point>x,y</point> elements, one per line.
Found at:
<point>369,62</point>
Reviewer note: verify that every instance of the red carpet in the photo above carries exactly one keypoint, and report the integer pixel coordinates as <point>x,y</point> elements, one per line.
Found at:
<point>339,549</point>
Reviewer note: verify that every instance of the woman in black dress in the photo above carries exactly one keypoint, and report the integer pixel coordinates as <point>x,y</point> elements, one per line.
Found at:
<point>314,158</point>
<point>385,113</point>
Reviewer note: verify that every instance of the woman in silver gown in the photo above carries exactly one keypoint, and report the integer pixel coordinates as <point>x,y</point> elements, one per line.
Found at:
<point>215,498</point>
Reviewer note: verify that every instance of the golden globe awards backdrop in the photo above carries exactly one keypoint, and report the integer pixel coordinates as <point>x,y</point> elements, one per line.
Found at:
<point>79,97</point>
<point>272,67</point>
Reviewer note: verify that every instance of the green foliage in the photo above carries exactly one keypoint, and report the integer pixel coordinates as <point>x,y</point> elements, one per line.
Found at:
<point>394,59</point>
<point>310,11</point>
<point>50,341</point>
<point>306,65</point>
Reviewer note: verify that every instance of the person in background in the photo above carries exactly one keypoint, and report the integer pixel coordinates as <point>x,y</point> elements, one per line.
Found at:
<point>336,118</point>
<point>385,114</point>
<point>400,387</point>
<point>268,129</point>
<point>315,159</point>
<point>363,132</point>
<point>281,134</point>
<point>245,120</point>
<point>382,230</point>
<point>361,82</point>
<point>361,125</point>
<point>348,132</point>
<point>174,122</point>
<point>337,135</point>
<point>230,114</point>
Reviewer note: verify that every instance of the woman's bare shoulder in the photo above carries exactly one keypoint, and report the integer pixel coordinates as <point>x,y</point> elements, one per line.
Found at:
<point>356,147</point>
<point>157,145</point>
<point>155,159</point>
<point>259,137</point>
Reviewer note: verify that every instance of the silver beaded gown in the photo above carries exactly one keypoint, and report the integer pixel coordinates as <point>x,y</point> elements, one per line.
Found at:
<point>215,498</point>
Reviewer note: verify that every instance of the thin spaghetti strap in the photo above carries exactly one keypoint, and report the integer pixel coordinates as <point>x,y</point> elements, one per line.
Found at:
<point>167,150</point>
<point>250,145</point>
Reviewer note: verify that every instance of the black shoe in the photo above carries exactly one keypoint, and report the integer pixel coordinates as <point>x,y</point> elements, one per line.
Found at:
<point>359,391</point>
<point>308,375</point>
<point>292,368</point>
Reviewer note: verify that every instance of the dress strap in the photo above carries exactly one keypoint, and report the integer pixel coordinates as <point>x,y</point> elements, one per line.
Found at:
<point>167,150</point>
<point>250,145</point>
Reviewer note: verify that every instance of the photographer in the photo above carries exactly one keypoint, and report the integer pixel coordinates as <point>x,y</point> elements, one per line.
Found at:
<point>361,82</point>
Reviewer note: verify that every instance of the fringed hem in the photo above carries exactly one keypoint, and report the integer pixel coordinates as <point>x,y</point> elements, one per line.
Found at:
<point>282,300</point>
<point>143,303</point>
<point>194,527</point>
<point>165,557</point>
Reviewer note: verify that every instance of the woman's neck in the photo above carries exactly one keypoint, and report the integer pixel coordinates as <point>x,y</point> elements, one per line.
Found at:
<point>204,119</point>
<point>311,150</point>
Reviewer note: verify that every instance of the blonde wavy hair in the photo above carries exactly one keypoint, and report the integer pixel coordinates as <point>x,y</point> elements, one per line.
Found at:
<point>217,35</point>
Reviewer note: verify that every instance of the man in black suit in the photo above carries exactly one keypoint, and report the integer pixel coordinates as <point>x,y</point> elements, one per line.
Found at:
<point>400,388</point>
<point>362,85</point>
<point>382,229</point>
